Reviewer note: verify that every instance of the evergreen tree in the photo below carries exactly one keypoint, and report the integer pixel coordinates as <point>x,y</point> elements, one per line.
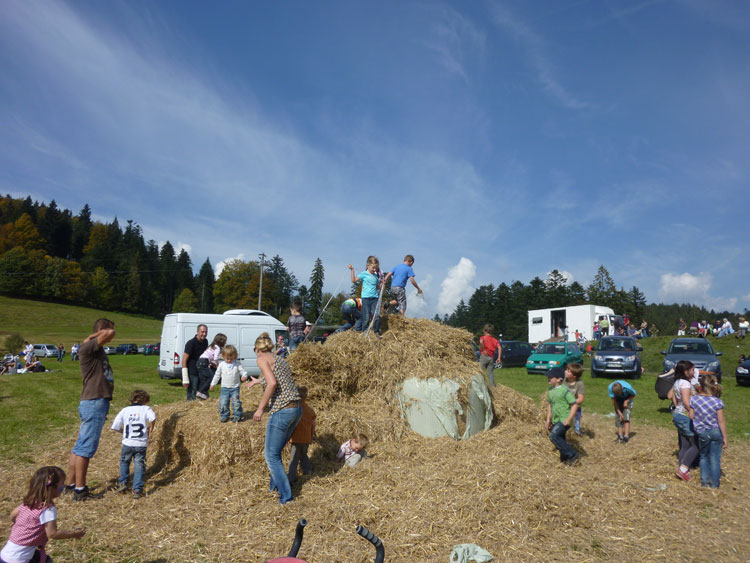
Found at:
<point>577,294</point>
<point>602,290</point>
<point>556,289</point>
<point>204,287</point>
<point>81,229</point>
<point>184,273</point>
<point>636,303</point>
<point>167,280</point>
<point>285,285</point>
<point>315,295</point>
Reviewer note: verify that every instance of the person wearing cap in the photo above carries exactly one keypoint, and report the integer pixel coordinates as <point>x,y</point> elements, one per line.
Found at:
<point>561,410</point>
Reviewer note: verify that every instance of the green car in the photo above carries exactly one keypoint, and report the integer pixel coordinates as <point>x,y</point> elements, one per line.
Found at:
<point>553,355</point>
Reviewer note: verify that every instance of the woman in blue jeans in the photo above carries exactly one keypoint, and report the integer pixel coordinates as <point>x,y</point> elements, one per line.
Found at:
<point>285,409</point>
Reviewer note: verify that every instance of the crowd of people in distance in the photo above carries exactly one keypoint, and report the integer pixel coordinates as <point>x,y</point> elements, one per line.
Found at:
<point>719,328</point>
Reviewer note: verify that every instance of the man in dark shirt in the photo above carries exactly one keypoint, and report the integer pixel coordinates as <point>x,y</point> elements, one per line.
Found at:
<point>193,350</point>
<point>98,384</point>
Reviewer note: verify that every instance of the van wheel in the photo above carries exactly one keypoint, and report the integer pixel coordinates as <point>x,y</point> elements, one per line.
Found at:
<point>593,374</point>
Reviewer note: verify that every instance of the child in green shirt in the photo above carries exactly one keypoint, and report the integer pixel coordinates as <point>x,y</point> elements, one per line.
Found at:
<point>561,409</point>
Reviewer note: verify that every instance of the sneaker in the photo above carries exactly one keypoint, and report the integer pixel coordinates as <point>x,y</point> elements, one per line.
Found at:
<point>201,395</point>
<point>579,433</point>
<point>137,494</point>
<point>122,487</point>
<point>69,489</point>
<point>83,494</point>
<point>572,460</point>
<point>223,420</point>
<point>618,439</point>
<point>684,476</point>
<point>625,439</point>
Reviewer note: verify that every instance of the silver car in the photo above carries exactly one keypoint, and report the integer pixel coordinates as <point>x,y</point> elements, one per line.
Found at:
<point>696,350</point>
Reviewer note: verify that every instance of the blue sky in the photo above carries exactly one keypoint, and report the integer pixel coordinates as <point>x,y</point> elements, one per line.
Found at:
<point>495,141</point>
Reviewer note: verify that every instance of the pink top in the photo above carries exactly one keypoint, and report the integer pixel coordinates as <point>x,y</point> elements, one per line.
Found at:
<point>27,529</point>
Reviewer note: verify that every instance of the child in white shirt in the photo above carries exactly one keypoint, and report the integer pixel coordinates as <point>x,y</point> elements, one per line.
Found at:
<point>136,423</point>
<point>352,451</point>
<point>231,374</point>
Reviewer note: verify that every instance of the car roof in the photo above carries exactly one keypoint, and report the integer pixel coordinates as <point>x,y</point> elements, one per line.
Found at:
<point>688,340</point>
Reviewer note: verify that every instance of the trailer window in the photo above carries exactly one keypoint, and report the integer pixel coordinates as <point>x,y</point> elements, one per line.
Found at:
<point>536,320</point>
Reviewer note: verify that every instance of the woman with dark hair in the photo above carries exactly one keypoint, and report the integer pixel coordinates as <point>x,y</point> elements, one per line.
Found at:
<point>284,404</point>
<point>681,392</point>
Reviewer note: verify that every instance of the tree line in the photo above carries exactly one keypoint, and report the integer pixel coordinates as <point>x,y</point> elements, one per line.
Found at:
<point>506,306</point>
<point>50,253</point>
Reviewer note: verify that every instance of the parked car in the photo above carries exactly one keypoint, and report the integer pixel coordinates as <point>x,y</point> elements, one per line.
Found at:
<point>743,373</point>
<point>141,348</point>
<point>110,350</point>
<point>617,356</point>
<point>697,350</point>
<point>553,354</point>
<point>151,349</point>
<point>127,349</point>
<point>45,350</point>
<point>515,353</point>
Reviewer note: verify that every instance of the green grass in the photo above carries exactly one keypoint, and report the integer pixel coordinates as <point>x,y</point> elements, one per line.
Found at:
<point>40,408</point>
<point>52,323</point>
<point>37,409</point>
<point>649,409</point>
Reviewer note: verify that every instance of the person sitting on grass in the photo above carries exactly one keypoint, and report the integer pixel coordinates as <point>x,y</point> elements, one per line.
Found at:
<point>561,410</point>
<point>622,395</point>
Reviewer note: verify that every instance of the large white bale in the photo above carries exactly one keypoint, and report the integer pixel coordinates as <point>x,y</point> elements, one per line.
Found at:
<point>432,407</point>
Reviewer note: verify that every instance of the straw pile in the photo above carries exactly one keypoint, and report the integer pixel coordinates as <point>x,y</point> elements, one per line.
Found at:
<point>504,489</point>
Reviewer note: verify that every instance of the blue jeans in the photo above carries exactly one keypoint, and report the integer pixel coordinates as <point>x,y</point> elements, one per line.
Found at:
<point>557,437</point>
<point>710,444</point>
<point>138,455</point>
<point>92,414</point>
<point>279,430</point>
<point>194,379</point>
<point>352,318</point>
<point>370,307</point>
<point>577,425</point>
<point>296,341</point>
<point>228,395</point>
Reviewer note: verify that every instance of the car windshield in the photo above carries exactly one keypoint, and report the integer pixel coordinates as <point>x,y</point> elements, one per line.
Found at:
<point>612,344</point>
<point>690,348</point>
<point>550,348</point>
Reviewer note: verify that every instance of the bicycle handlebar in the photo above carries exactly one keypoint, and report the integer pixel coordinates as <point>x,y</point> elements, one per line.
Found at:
<point>298,537</point>
<point>374,540</point>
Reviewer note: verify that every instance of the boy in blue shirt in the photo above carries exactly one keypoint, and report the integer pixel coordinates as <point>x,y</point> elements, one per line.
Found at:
<point>561,409</point>
<point>400,274</point>
<point>622,394</point>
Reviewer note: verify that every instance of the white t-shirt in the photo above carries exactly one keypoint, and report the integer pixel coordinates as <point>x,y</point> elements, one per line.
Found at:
<point>14,553</point>
<point>134,422</point>
<point>680,384</point>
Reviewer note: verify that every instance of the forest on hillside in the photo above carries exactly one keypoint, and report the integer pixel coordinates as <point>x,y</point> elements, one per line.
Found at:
<point>52,254</point>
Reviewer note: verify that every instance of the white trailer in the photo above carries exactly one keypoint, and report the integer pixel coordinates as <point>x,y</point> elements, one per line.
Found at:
<point>562,322</point>
<point>241,327</point>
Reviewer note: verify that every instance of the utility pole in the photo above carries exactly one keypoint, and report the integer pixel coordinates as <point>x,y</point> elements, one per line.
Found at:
<point>262,257</point>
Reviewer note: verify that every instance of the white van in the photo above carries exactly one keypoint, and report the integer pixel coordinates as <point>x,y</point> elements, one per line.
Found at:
<point>562,322</point>
<point>241,326</point>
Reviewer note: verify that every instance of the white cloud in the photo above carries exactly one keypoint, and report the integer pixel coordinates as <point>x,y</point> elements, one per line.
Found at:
<point>220,265</point>
<point>457,42</point>
<point>687,288</point>
<point>420,306</point>
<point>457,285</point>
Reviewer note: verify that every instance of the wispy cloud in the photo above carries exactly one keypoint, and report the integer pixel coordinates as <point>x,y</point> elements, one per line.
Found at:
<point>537,50</point>
<point>457,285</point>
<point>456,41</point>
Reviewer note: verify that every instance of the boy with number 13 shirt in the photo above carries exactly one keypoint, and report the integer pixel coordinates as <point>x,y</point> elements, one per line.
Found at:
<point>136,423</point>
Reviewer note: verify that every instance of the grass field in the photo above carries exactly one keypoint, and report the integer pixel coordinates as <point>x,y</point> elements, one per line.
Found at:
<point>648,408</point>
<point>52,323</point>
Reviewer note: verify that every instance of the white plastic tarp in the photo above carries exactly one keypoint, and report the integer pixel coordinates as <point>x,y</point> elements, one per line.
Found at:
<point>432,408</point>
